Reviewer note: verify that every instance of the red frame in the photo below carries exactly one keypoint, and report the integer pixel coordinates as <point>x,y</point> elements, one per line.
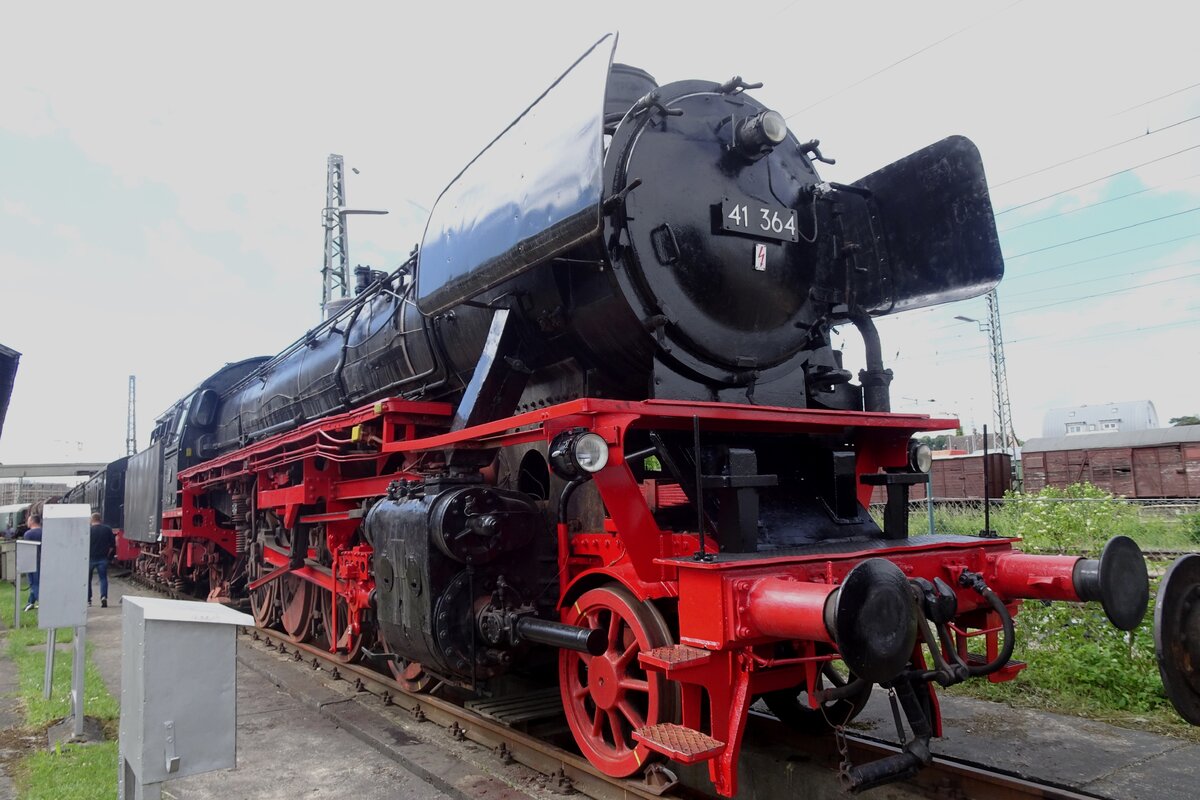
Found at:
<point>723,606</point>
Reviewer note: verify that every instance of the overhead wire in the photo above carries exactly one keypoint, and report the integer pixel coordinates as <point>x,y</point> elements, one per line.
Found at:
<point>1099,203</point>
<point>1097,180</point>
<point>1082,156</point>
<point>1102,233</point>
<point>1094,279</point>
<point>1094,295</point>
<point>897,63</point>
<point>1060,339</point>
<point>1056,267</point>
<point>1154,100</point>
<point>1103,294</point>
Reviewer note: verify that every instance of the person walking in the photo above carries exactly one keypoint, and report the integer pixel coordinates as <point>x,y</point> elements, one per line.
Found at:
<point>34,534</point>
<point>102,547</point>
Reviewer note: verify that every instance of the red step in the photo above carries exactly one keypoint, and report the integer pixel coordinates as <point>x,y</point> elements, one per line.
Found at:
<point>1005,673</point>
<point>673,657</point>
<point>685,745</point>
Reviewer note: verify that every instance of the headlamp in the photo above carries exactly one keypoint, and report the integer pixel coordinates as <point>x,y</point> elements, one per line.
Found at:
<point>920,457</point>
<point>761,133</point>
<point>578,452</point>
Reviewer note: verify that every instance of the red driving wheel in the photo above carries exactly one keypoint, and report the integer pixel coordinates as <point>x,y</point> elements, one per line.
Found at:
<point>607,696</point>
<point>263,600</point>
<point>297,599</point>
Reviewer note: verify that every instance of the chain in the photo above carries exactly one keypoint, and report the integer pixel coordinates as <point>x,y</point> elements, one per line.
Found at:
<point>839,736</point>
<point>844,765</point>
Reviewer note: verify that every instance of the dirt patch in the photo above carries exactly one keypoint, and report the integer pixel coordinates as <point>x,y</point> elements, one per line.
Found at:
<point>16,743</point>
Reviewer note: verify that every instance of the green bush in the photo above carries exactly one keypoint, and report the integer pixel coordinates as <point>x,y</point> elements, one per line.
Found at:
<point>1079,518</point>
<point>1191,527</point>
<point>1077,656</point>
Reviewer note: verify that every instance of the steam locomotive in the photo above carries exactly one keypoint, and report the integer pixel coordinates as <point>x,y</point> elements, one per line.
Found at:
<point>597,415</point>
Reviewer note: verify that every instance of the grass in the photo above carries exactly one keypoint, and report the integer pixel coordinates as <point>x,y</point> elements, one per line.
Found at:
<point>73,772</point>
<point>78,772</point>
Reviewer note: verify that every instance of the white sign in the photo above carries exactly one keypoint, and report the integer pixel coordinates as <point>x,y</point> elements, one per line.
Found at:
<point>760,257</point>
<point>62,592</point>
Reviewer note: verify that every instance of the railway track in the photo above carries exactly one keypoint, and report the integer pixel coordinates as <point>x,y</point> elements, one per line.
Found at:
<point>1151,555</point>
<point>945,778</point>
<point>1166,555</point>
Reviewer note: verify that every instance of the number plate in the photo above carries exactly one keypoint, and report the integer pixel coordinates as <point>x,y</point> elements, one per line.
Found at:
<point>751,218</point>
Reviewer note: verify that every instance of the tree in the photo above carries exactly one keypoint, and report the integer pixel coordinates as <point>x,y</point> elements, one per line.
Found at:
<point>1187,419</point>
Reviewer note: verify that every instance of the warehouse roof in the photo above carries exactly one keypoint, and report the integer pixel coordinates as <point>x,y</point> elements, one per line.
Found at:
<point>1094,441</point>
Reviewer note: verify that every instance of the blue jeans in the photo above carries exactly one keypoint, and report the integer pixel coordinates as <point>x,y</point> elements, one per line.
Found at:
<point>33,586</point>
<point>101,567</point>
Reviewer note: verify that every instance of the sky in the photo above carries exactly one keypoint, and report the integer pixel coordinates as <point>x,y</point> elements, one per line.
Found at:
<point>162,175</point>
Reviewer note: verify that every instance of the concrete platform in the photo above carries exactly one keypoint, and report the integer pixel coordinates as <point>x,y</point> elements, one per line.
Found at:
<point>289,748</point>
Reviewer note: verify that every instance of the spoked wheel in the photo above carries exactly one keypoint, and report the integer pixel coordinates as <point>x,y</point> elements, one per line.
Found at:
<point>606,697</point>
<point>297,599</point>
<point>264,601</point>
<point>793,709</point>
<point>349,643</point>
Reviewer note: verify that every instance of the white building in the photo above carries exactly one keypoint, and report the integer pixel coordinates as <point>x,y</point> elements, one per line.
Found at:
<point>1130,415</point>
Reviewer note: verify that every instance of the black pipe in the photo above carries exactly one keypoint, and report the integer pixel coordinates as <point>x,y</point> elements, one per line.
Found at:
<point>1086,579</point>
<point>875,379</point>
<point>593,641</point>
<point>565,497</point>
<point>972,580</point>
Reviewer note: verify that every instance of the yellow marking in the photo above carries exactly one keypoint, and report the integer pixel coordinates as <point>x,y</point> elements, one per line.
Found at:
<point>189,452</point>
<point>379,408</point>
<point>638,756</point>
<point>576,607</point>
<point>356,433</point>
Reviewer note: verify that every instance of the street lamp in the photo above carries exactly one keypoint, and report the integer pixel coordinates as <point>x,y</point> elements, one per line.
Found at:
<point>982,325</point>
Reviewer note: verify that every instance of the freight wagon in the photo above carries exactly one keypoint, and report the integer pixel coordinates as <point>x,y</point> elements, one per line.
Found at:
<point>1161,462</point>
<point>961,476</point>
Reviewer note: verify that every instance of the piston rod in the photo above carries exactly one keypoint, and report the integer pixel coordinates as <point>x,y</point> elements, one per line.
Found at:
<point>592,641</point>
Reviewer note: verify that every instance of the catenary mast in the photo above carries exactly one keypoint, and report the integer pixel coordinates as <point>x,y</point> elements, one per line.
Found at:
<point>335,271</point>
<point>1006,436</point>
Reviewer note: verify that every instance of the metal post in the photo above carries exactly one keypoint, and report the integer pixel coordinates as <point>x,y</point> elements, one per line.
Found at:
<point>929,498</point>
<point>51,636</point>
<point>77,681</point>
<point>17,601</point>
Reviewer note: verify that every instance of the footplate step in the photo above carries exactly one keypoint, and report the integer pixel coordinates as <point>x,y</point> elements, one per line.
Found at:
<point>685,745</point>
<point>673,657</point>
